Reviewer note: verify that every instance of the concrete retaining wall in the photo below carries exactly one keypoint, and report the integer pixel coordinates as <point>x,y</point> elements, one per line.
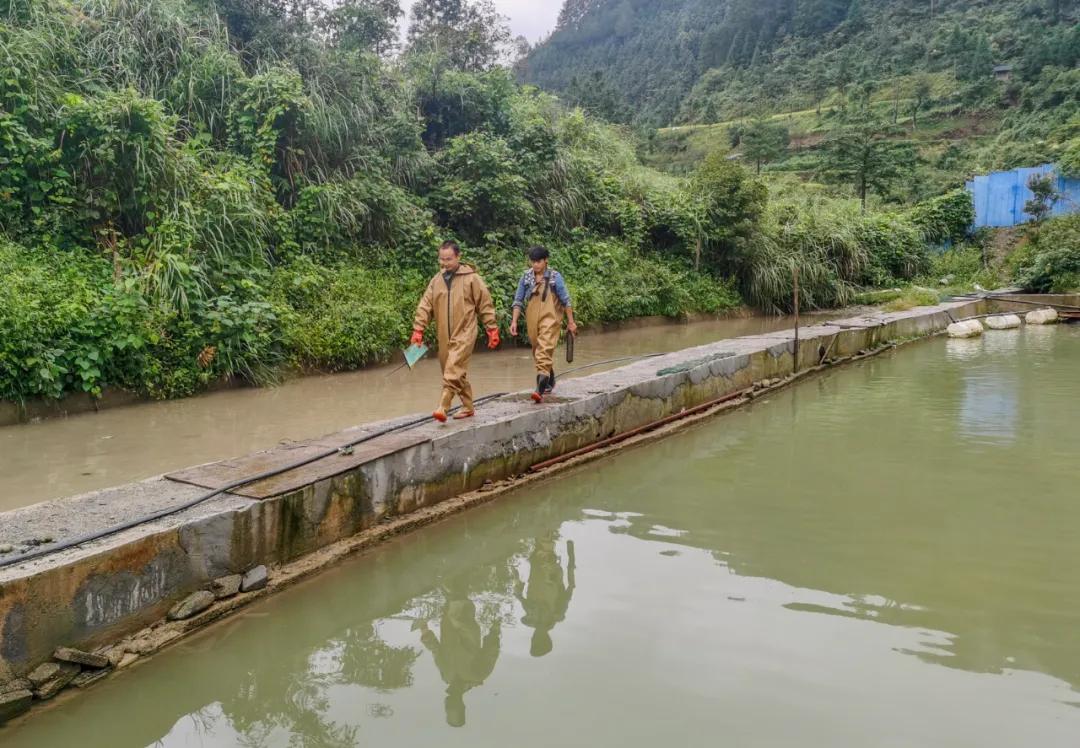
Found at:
<point>93,595</point>
<point>1030,302</point>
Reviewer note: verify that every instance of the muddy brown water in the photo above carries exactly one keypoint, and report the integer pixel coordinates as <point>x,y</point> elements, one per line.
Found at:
<point>67,456</point>
<point>883,555</point>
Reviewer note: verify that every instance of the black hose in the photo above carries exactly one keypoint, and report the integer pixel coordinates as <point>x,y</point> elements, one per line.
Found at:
<point>81,539</point>
<point>614,361</point>
<point>1007,300</point>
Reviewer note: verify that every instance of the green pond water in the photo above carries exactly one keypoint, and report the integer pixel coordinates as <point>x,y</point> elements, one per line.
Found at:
<point>885,555</point>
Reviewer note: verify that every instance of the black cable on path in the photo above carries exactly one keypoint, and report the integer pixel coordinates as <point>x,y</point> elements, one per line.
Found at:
<point>81,539</point>
<point>615,361</point>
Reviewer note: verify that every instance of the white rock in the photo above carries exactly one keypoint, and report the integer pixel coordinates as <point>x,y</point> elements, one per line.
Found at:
<point>1003,322</point>
<point>255,579</point>
<point>1041,317</point>
<point>967,329</point>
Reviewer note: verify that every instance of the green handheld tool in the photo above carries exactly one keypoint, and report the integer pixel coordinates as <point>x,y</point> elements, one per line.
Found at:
<point>414,353</point>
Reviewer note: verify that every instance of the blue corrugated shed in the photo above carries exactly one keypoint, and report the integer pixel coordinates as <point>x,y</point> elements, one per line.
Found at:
<point>999,197</point>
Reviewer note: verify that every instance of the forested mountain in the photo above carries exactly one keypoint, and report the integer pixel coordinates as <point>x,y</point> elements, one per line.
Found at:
<point>646,52</point>
<point>708,60</point>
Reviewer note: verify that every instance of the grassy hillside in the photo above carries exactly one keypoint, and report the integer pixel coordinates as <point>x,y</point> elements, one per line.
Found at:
<point>688,62</point>
<point>891,102</point>
<point>951,143</point>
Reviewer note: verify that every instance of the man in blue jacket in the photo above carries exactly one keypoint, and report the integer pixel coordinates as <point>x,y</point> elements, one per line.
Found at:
<point>542,293</point>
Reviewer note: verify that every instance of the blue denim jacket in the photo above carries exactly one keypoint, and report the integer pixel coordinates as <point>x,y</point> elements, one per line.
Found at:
<point>528,283</point>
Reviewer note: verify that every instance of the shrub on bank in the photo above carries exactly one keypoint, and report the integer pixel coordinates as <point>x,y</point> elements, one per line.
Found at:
<point>836,249</point>
<point>48,345</point>
<point>911,298</point>
<point>344,316</point>
<point>1050,262</point>
<point>67,326</point>
<point>960,268</point>
<point>947,217</point>
<point>611,282</point>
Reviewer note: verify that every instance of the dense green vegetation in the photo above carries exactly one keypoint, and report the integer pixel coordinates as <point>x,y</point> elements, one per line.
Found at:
<point>1051,261</point>
<point>217,188</point>
<point>198,189</point>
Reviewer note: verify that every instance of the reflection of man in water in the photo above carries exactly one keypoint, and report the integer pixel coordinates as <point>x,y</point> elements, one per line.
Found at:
<point>548,598</point>
<point>464,658</point>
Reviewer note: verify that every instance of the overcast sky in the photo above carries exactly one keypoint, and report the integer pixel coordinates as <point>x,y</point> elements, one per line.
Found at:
<point>529,18</point>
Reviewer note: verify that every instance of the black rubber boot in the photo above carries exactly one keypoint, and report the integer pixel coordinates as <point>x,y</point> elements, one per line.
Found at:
<point>541,387</point>
<point>551,382</point>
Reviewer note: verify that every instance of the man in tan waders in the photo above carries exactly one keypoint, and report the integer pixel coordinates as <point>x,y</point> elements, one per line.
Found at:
<point>542,294</point>
<point>464,656</point>
<point>456,296</point>
<point>548,598</point>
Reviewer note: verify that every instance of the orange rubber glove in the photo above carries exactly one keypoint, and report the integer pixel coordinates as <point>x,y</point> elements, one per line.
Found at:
<point>417,337</point>
<point>493,338</point>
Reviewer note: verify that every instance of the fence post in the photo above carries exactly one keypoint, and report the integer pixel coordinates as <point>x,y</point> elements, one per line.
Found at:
<point>795,278</point>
